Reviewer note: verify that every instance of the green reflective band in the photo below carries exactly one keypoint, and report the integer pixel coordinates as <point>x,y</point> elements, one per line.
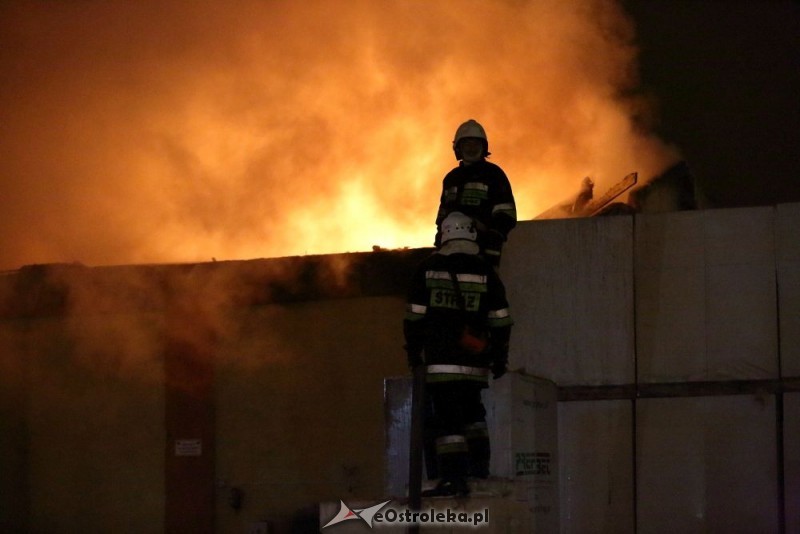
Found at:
<point>501,317</point>
<point>415,312</point>
<point>476,430</point>
<point>452,438</point>
<point>471,278</point>
<point>505,209</point>
<point>497,323</point>
<point>469,287</point>
<point>451,444</point>
<point>475,283</point>
<point>433,283</point>
<point>447,298</point>
<point>457,369</point>
<point>480,186</point>
<point>462,278</point>
<point>435,379</point>
<point>451,373</point>
<point>475,191</point>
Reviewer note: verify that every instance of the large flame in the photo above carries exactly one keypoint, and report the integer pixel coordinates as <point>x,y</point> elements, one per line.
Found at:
<point>150,131</point>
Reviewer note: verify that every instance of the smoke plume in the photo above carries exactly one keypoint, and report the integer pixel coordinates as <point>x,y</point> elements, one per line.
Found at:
<point>186,130</point>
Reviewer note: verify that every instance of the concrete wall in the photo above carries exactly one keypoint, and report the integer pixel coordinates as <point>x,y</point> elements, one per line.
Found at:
<point>82,426</point>
<point>673,337</point>
<point>570,286</point>
<point>787,248</point>
<point>596,466</point>
<point>97,399</point>
<point>706,296</point>
<point>676,335</point>
<point>299,406</point>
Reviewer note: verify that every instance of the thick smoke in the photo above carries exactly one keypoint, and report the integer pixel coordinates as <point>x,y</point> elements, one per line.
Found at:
<point>152,131</point>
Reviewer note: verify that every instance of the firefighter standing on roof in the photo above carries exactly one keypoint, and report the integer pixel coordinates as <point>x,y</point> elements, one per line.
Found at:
<point>458,325</point>
<point>479,189</point>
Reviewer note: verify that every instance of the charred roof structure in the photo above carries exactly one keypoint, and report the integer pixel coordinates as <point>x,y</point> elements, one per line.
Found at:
<point>57,289</point>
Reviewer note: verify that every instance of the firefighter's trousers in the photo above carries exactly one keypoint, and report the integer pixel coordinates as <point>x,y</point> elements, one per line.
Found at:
<point>457,439</point>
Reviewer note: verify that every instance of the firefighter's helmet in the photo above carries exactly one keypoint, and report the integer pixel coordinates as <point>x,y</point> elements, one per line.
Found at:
<point>458,226</point>
<point>471,128</point>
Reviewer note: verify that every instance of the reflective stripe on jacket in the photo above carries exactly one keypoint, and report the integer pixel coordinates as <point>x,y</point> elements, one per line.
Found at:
<point>449,373</point>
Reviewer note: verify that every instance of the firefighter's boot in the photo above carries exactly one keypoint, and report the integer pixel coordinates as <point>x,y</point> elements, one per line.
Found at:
<point>453,459</point>
<point>479,450</point>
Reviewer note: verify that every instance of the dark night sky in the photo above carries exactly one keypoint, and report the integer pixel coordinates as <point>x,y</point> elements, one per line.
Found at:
<point>726,75</point>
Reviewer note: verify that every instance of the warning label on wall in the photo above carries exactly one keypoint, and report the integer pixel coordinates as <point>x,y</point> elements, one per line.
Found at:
<point>188,447</point>
<point>532,463</point>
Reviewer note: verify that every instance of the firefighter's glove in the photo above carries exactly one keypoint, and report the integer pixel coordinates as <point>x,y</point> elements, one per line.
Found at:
<point>499,368</point>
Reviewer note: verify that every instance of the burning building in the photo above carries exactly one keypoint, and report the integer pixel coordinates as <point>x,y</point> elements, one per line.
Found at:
<point>167,391</point>
<point>219,395</point>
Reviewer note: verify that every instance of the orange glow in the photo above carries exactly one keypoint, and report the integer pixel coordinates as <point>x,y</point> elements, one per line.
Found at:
<point>142,132</point>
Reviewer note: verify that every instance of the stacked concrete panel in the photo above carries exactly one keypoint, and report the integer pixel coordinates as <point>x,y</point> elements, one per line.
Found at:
<point>791,459</point>
<point>788,267</point>
<point>670,301</point>
<point>570,285</point>
<point>705,296</point>
<point>707,464</point>
<point>596,475</point>
<point>522,417</point>
<point>706,310</point>
<point>709,297</point>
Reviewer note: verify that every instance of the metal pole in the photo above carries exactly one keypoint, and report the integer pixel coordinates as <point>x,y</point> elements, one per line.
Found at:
<point>415,452</point>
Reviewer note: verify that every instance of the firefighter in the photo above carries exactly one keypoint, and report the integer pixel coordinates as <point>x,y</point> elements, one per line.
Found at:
<point>479,189</point>
<point>458,325</point>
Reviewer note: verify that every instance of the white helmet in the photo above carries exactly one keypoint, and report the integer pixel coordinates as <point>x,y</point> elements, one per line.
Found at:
<point>458,226</point>
<point>471,128</point>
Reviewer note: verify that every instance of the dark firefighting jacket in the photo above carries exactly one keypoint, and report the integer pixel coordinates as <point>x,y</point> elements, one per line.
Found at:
<point>482,191</point>
<point>434,320</point>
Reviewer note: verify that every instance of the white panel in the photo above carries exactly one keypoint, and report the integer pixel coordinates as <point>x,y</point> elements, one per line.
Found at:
<point>742,322</point>
<point>791,470</point>
<point>522,420</point>
<point>521,413</point>
<point>788,252</point>
<point>596,467</point>
<point>706,465</point>
<point>670,240</point>
<point>670,296</point>
<point>736,236</point>
<point>570,286</point>
<point>705,295</point>
<point>522,416</point>
<point>742,309</point>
